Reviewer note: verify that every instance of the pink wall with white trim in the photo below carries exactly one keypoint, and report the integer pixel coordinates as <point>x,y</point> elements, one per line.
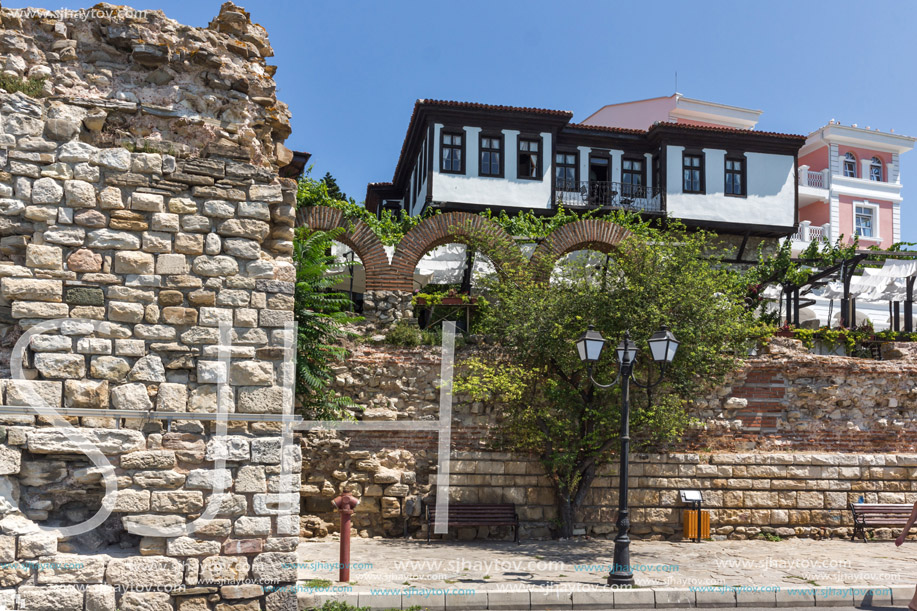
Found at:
<point>885,221</point>
<point>633,115</point>
<point>861,154</point>
<point>817,160</point>
<point>818,214</point>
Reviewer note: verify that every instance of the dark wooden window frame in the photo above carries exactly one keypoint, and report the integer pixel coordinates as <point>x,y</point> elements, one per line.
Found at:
<point>641,160</point>
<point>539,169</point>
<point>701,169</point>
<point>601,155</point>
<point>482,150</point>
<point>442,149</point>
<point>743,173</point>
<point>657,170</point>
<point>576,177</point>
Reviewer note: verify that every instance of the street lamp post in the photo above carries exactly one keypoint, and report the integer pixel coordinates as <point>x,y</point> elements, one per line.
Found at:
<point>662,346</point>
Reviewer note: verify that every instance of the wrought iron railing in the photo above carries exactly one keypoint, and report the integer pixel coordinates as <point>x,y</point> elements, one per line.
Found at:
<point>600,194</point>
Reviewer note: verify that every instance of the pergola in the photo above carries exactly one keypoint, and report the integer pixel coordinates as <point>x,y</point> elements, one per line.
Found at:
<point>892,282</point>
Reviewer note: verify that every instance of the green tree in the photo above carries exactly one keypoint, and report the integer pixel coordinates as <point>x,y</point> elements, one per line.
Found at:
<point>549,406</point>
<point>321,315</point>
<point>334,191</point>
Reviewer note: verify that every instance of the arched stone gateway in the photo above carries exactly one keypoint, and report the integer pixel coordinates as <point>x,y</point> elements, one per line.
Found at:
<point>592,234</point>
<point>454,227</point>
<point>358,236</point>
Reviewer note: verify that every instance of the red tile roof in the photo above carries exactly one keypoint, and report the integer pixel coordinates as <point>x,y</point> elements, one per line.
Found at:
<point>477,106</point>
<point>471,106</point>
<point>725,130</point>
<point>605,128</point>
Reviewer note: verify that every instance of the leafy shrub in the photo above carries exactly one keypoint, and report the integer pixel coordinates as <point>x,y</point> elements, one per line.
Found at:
<point>321,315</point>
<point>404,334</point>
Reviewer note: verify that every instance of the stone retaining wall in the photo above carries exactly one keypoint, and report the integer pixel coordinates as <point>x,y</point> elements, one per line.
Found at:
<point>783,482</point>
<point>141,209</point>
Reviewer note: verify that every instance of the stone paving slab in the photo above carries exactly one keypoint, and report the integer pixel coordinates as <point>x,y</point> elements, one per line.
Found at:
<point>481,575</point>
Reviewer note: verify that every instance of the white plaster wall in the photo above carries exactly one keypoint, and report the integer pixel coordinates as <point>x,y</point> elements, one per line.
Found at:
<point>771,198</point>
<point>470,188</point>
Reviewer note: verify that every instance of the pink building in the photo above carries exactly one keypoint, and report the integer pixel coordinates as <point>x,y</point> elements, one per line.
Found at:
<point>849,185</point>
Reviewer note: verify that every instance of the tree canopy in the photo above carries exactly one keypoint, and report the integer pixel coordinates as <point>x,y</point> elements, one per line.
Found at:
<point>550,407</point>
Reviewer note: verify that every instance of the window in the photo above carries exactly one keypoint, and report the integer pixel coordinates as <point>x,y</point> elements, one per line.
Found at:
<point>632,177</point>
<point>864,221</point>
<point>693,174</point>
<point>850,165</point>
<point>735,176</point>
<point>875,169</point>
<point>491,159</point>
<point>656,174</point>
<point>529,166</point>
<point>565,171</point>
<point>453,148</point>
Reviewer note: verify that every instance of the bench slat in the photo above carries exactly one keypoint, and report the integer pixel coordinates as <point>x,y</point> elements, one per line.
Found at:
<point>478,514</point>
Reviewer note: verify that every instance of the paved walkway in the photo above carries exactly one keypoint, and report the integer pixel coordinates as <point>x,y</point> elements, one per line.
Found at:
<point>571,574</point>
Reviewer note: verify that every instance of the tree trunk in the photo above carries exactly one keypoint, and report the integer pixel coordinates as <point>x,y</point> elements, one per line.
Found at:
<point>565,512</point>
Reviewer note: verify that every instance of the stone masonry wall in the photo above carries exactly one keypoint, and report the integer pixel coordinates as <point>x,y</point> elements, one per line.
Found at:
<point>141,209</point>
<point>757,475</point>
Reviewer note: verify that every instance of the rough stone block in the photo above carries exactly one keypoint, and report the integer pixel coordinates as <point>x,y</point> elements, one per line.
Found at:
<point>55,440</point>
<point>184,502</point>
<point>144,571</point>
<point>86,394</point>
<point>60,366</point>
<point>134,262</point>
<point>50,598</point>
<point>223,569</point>
<point>131,396</point>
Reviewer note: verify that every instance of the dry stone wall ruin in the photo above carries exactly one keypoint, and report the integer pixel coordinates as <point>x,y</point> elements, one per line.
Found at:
<point>781,448</point>
<point>141,209</point>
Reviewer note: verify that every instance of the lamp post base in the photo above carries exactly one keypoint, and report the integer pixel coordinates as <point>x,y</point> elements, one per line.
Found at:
<point>621,573</point>
<point>620,579</point>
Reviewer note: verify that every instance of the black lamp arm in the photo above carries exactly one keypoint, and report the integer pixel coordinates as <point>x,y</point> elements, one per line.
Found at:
<point>614,383</point>
<point>649,383</point>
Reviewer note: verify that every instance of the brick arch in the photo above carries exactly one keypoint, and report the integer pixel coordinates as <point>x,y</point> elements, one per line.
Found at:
<point>460,227</point>
<point>357,236</point>
<point>588,234</point>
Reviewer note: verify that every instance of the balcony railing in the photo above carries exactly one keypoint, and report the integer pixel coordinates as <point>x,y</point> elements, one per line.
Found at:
<point>810,178</point>
<point>597,194</point>
<point>807,232</point>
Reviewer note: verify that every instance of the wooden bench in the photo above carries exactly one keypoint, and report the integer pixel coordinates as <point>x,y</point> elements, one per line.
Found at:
<point>875,514</point>
<point>477,514</point>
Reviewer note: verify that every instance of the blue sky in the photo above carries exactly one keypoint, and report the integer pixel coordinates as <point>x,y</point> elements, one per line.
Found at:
<point>351,71</point>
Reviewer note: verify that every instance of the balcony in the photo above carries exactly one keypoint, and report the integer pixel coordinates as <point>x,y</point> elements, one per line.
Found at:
<point>813,186</point>
<point>808,178</point>
<point>609,195</point>
<point>807,233</point>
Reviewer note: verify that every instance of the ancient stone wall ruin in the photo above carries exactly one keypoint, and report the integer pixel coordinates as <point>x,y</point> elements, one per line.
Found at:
<point>145,268</point>
<point>781,448</point>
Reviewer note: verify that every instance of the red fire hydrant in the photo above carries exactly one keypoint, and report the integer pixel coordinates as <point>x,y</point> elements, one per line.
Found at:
<point>345,504</point>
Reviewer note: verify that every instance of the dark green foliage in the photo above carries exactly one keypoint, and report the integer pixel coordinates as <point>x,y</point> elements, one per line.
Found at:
<point>320,316</point>
<point>389,226</point>
<point>334,191</point>
<point>548,404</point>
<point>32,87</point>
<point>403,334</point>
